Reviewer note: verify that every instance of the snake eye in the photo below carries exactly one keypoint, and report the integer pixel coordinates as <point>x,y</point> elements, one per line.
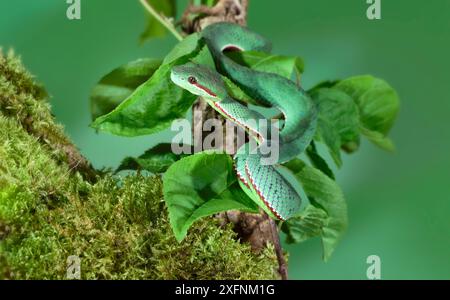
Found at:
<point>192,80</point>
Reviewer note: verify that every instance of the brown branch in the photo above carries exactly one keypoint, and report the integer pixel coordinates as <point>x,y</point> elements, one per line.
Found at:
<point>255,229</point>
<point>233,11</point>
<point>283,269</point>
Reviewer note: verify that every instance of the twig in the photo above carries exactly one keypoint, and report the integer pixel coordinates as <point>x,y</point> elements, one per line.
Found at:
<point>278,250</point>
<point>161,19</point>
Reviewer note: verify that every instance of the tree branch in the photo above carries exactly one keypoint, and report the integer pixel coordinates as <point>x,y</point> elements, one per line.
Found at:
<point>256,229</point>
<point>283,269</point>
<point>233,11</point>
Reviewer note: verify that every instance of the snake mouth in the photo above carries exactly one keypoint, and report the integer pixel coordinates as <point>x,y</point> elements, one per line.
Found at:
<point>205,89</point>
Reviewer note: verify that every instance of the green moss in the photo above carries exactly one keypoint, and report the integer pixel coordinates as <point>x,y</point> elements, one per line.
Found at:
<point>25,101</point>
<point>119,233</point>
<point>117,226</point>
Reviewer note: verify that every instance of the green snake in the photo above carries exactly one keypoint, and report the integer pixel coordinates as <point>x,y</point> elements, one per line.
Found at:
<point>262,182</point>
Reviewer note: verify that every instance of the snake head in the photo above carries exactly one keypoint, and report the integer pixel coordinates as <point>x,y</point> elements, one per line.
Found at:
<point>199,80</point>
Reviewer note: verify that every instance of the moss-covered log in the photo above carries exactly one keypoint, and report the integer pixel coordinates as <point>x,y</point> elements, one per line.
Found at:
<point>54,205</point>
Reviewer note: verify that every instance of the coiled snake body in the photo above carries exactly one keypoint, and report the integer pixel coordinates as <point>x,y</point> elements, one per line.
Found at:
<point>262,182</point>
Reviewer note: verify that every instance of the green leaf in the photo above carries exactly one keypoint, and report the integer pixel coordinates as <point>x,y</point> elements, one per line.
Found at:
<point>338,120</point>
<point>266,62</point>
<point>151,108</point>
<point>324,193</point>
<point>204,57</point>
<point>116,86</point>
<point>187,46</point>
<point>157,102</point>
<point>308,224</point>
<point>201,185</point>
<point>154,28</point>
<point>156,160</point>
<point>328,134</point>
<point>281,65</point>
<point>236,93</point>
<point>378,139</point>
<point>318,161</point>
<point>324,84</point>
<point>377,101</point>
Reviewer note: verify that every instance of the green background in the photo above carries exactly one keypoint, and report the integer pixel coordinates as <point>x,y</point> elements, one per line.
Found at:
<point>399,204</point>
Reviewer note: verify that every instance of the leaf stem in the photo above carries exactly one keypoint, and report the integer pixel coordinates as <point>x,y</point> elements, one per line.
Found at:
<point>162,19</point>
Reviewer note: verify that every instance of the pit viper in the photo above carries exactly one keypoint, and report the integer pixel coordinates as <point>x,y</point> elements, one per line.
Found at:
<point>261,181</point>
